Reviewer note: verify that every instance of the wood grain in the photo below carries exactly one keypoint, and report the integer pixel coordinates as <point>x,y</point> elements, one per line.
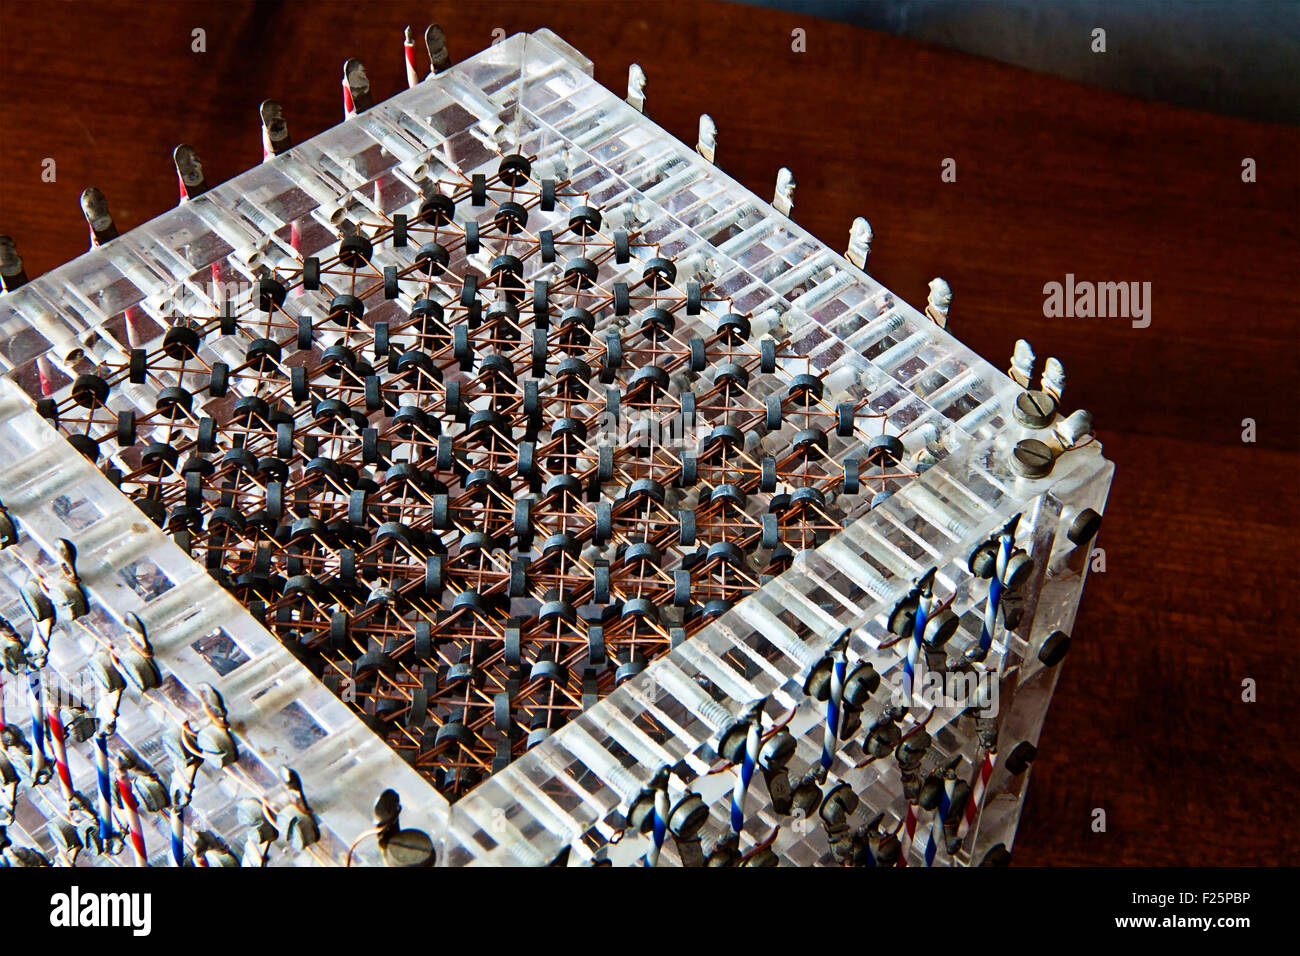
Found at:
<point>1053,177</point>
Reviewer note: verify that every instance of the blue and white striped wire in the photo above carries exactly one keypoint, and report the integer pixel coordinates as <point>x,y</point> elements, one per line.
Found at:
<point>745,772</point>
<point>105,790</point>
<point>931,843</point>
<point>996,587</point>
<point>914,646</point>
<point>178,832</point>
<point>35,702</point>
<point>830,740</point>
<point>660,827</point>
<point>936,822</point>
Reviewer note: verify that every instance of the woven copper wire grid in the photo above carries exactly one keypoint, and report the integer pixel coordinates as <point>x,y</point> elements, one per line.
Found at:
<point>474,516</point>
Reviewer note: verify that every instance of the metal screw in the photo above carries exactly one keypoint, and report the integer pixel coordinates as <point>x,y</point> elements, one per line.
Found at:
<point>1031,458</point>
<point>1084,527</point>
<point>1035,409</point>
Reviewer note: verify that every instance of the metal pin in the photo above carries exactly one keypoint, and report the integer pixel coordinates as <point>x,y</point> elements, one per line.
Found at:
<point>293,783</point>
<point>17,856</point>
<point>95,208</point>
<point>435,41</point>
<point>936,306</point>
<point>408,51</point>
<point>181,743</point>
<point>1022,363</point>
<point>783,201</point>
<point>1053,380</point>
<point>189,172</point>
<point>1072,429</point>
<point>214,740</point>
<point>211,850</point>
<point>387,812</point>
<point>11,265</point>
<point>776,754</point>
<point>9,781</point>
<point>259,832</point>
<point>356,89</point>
<point>67,840</point>
<point>868,843</point>
<point>860,237</point>
<point>636,87</point>
<point>725,851</point>
<point>275,131</point>
<point>708,144</point>
<point>12,657</point>
<point>297,822</point>
<point>73,594</point>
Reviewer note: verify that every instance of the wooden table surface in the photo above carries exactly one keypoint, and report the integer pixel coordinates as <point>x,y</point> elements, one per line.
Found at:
<point>1200,589</point>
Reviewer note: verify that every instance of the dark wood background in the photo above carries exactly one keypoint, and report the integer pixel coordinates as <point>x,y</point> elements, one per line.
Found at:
<point>1200,589</point>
